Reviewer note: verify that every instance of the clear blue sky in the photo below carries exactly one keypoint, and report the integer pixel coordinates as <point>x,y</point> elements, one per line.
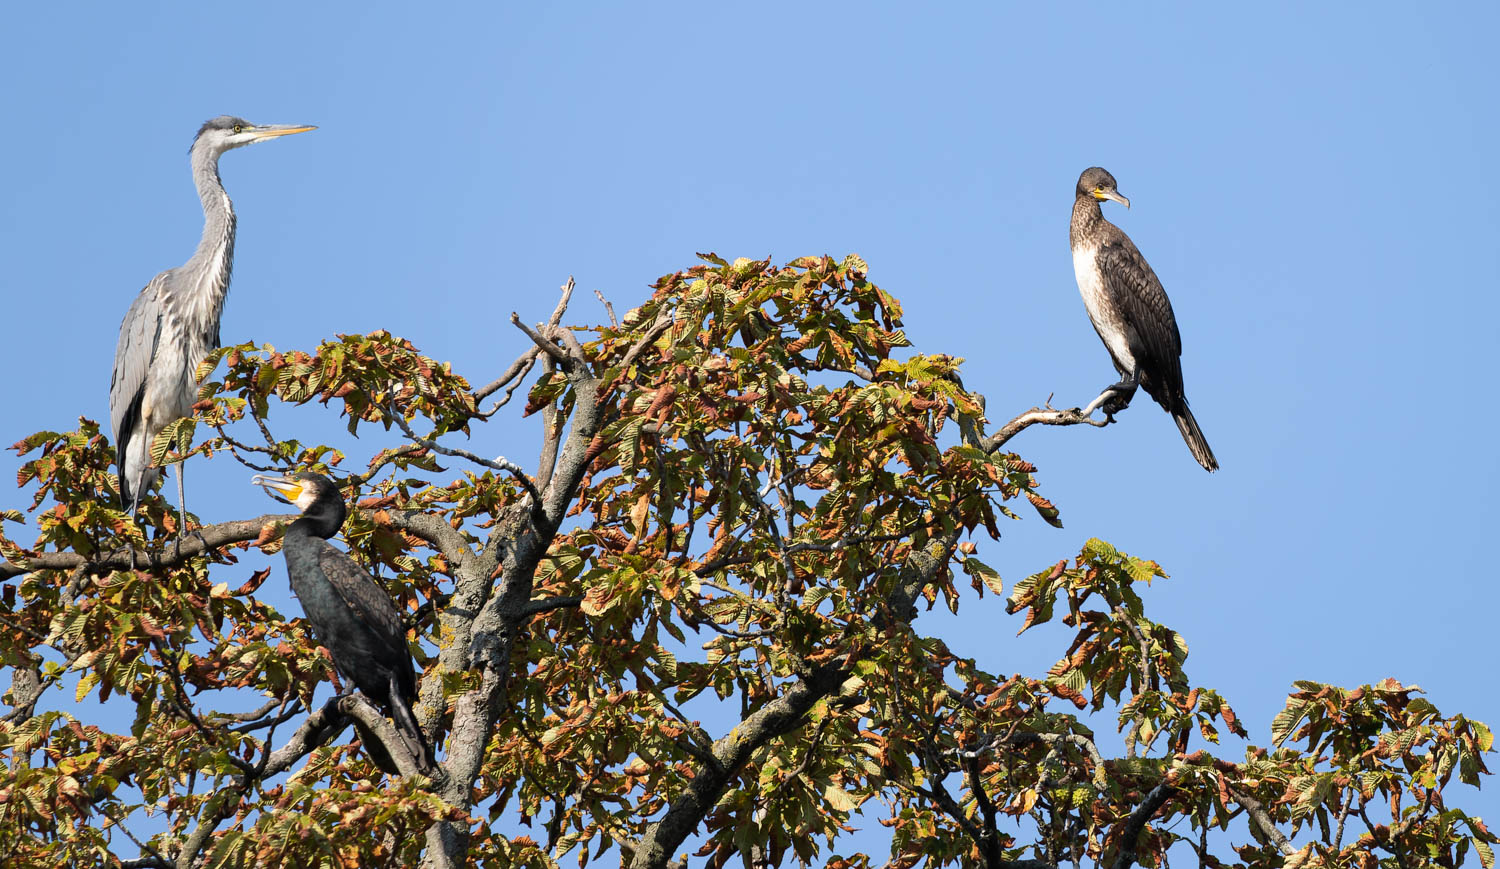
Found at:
<point>1312,185</point>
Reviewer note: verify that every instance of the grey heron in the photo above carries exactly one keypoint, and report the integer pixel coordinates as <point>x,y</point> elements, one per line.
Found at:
<point>1130,311</point>
<point>174,322</point>
<point>351,615</point>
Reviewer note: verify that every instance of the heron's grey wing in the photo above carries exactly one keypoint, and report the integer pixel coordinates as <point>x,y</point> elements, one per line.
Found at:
<point>139,333</point>
<point>1134,287</point>
<point>364,596</point>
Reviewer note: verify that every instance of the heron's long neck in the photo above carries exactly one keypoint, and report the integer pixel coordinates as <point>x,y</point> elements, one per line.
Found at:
<point>212,262</point>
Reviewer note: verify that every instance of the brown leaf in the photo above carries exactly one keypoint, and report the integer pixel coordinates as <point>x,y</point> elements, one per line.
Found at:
<point>254,582</point>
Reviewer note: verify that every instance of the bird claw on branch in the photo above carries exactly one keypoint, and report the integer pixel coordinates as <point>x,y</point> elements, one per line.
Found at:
<point>1115,398</point>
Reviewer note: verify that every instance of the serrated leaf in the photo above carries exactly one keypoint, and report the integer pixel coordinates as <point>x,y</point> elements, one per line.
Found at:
<point>178,432</point>
<point>1287,720</point>
<point>840,799</point>
<point>85,685</point>
<point>668,662</point>
<point>990,576</point>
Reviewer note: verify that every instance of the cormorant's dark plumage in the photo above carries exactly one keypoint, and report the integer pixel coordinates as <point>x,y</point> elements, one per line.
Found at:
<point>1129,310</point>
<point>351,615</point>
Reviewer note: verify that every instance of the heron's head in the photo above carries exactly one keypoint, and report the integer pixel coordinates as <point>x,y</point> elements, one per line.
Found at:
<point>226,132</point>
<point>1100,185</point>
<point>304,489</point>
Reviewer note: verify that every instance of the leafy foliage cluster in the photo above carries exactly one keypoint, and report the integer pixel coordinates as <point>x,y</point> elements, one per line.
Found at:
<point>749,489</point>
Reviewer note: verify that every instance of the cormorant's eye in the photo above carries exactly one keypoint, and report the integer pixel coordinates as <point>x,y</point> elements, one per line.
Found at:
<point>238,129</point>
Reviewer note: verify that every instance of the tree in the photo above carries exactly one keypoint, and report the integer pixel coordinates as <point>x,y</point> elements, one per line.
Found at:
<point>748,491</point>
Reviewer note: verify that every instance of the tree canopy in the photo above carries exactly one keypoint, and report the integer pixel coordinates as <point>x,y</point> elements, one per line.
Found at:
<point>749,489</point>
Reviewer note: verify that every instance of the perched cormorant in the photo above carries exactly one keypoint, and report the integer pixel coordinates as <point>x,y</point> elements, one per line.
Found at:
<point>351,615</point>
<point>1130,311</point>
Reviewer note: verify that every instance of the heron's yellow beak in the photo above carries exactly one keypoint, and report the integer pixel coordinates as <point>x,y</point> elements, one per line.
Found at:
<point>281,488</point>
<point>271,131</point>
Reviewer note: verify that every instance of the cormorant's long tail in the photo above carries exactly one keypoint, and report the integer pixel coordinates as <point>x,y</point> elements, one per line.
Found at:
<point>1194,437</point>
<point>410,730</point>
<point>375,748</point>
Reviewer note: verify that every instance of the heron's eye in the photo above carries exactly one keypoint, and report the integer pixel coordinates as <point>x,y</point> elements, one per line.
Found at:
<point>238,129</point>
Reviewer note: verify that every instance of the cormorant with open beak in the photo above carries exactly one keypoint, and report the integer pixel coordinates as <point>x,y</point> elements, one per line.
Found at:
<point>351,615</point>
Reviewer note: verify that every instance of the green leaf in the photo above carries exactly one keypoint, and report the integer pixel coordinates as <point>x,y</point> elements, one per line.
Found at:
<point>1287,720</point>
<point>177,434</point>
<point>840,799</point>
<point>990,576</point>
<point>1486,853</point>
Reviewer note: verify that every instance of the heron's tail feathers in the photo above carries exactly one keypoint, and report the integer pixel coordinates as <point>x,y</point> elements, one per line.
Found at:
<point>134,484</point>
<point>127,501</point>
<point>1194,437</point>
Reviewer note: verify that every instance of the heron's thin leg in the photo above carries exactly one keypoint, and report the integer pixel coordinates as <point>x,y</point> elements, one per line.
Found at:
<point>181,505</point>
<point>182,513</point>
<point>135,517</point>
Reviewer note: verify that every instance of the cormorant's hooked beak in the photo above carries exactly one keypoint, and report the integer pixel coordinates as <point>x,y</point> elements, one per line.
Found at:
<point>1111,193</point>
<point>262,132</point>
<point>281,488</point>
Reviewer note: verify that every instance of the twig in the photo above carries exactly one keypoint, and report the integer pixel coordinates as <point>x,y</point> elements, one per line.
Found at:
<point>517,369</point>
<point>184,705</point>
<point>738,635</point>
<point>1138,820</point>
<point>35,635</point>
<point>551,438</point>
<point>253,715</point>
<point>358,707</point>
<point>235,447</point>
<point>499,463</point>
<point>842,543</point>
<point>154,860</point>
<point>989,844</point>
<point>522,366</point>
<point>529,358</point>
<point>264,431</point>
<point>548,604</point>
<point>215,536</point>
<point>1343,815</point>
<point>662,323</point>
<point>360,479</point>
<point>548,347</point>
<point>283,716</point>
<point>1140,639</point>
<point>562,303</point>
<point>609,309</point>
<point>1052,740</point>
<point>1037,416</point>
<point>1262,820</point>
<point>859,371</point>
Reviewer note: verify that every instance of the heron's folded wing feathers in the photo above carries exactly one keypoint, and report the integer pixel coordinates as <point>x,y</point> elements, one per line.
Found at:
<point>139,333</point>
